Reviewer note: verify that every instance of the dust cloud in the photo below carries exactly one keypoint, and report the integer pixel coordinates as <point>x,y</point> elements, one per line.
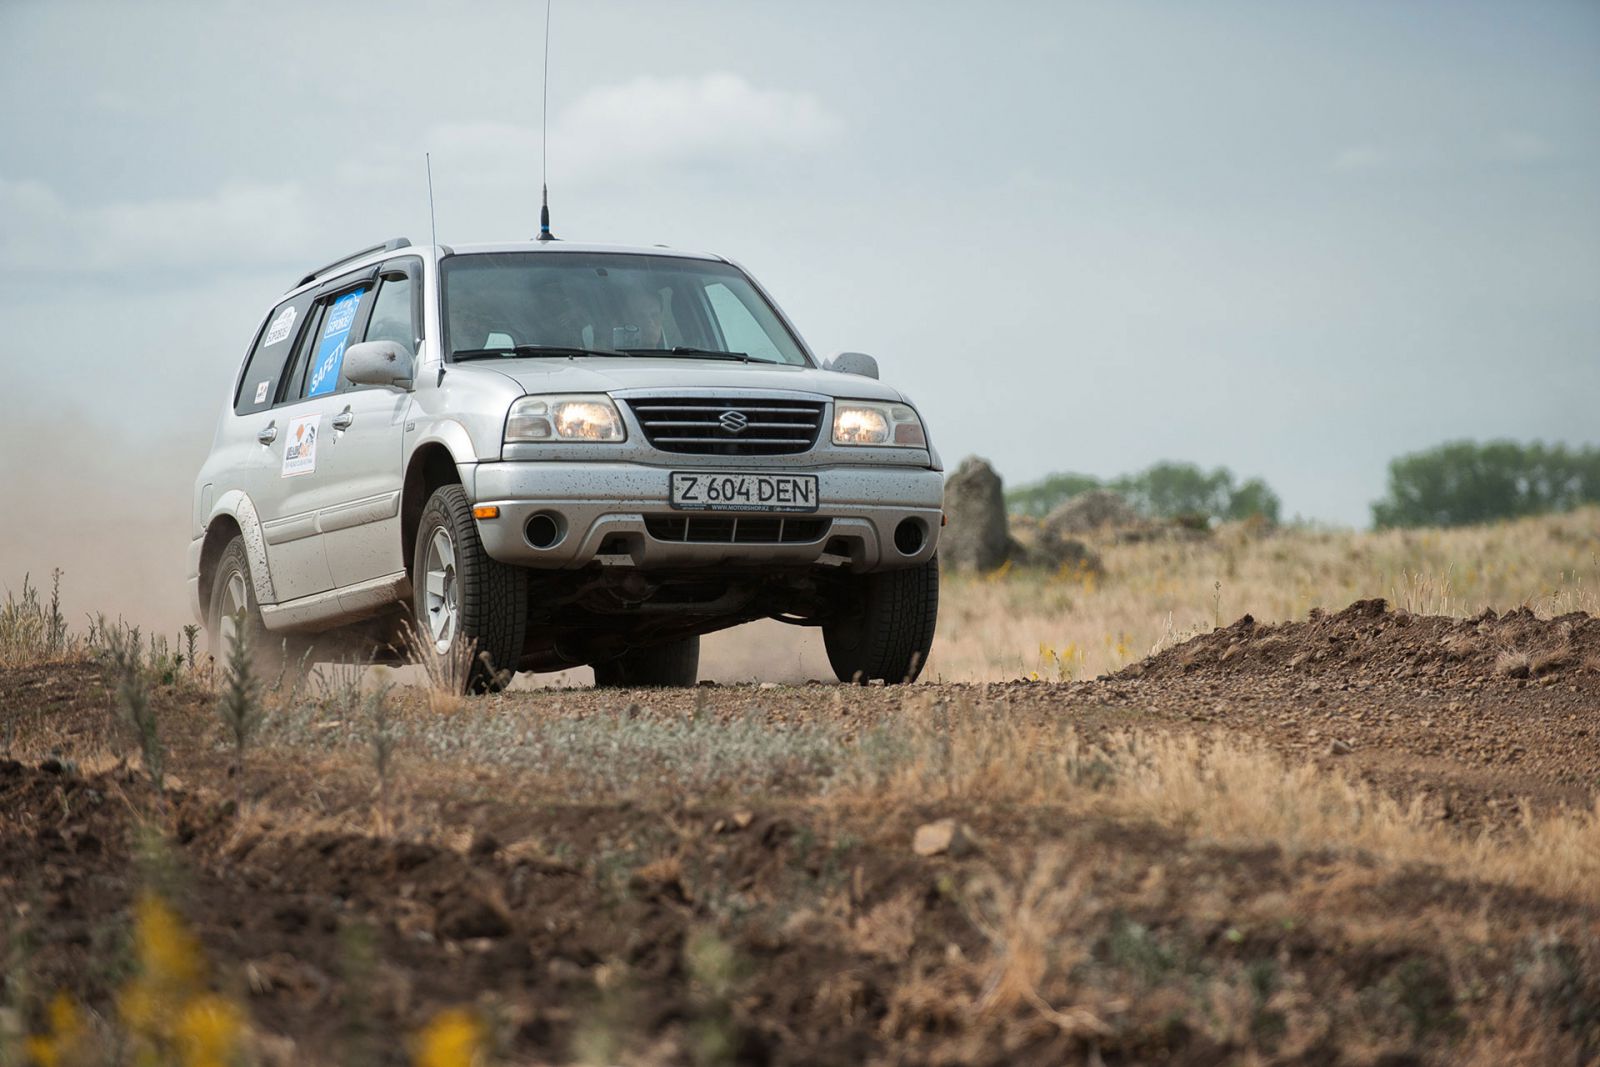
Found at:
<point>113,514</point>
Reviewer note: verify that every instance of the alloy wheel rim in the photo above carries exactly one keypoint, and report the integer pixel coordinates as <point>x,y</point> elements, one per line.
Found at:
<point>235,599</point>
<point>441,596</point>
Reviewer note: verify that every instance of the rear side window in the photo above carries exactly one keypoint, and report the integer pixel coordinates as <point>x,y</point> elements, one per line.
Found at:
<point>296,387</point>
<point>258,385</point>
<point>327,359</point>
<point>336,320</point>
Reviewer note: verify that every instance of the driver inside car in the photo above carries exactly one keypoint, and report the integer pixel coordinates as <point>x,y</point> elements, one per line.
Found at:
<point>643,325</point>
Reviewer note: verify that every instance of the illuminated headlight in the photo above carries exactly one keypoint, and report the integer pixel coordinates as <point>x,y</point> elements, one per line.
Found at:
<point>584,417</point>
<point>858,423</point>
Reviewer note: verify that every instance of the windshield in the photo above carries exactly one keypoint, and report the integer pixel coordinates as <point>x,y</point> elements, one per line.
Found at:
<point>576,303</point>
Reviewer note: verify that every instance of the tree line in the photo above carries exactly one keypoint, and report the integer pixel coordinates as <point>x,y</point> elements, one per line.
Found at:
<point>1180,491</point>
<point>1455,484</point>
<point>1465,482</point>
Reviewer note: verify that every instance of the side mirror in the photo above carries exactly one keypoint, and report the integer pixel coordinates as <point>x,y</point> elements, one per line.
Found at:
<point>854,363</point>
<point>378,363</point>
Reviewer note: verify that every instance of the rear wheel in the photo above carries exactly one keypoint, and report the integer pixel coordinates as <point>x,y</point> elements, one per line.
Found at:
<point>884,625</point>
<point>471,610</point>
<point>674,664</point>
<point>234,606</point>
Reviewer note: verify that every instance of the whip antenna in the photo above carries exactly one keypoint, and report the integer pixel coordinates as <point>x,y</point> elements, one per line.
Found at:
<point>433,227</point>
<point>544,137</point>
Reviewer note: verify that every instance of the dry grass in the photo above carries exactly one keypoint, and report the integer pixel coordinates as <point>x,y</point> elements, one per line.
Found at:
<point>1231,791</point>
<point>1034,920</point>
<point>1511,663</point>
<point>970,753</point>
<point>34,630</point>
<point>1018,623</point>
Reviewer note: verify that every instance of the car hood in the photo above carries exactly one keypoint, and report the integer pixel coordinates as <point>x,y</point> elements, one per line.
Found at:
<point>595,374</point>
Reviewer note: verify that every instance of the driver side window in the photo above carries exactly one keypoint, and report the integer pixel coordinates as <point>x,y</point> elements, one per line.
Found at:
<point>392,315</point>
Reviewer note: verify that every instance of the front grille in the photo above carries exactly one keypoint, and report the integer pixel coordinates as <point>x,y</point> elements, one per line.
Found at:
<point>732,530</point>
<point>708,426</point>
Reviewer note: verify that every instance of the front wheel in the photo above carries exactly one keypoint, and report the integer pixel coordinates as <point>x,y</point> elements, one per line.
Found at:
<point>674,664</point>
<point>883,627</point>
<point>471,610</point>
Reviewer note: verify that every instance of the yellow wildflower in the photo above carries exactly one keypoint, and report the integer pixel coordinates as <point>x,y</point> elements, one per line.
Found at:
<point>64,1040</point>
<point>208,1031</point>
<point>168,952</point>
<point>453,1039</point>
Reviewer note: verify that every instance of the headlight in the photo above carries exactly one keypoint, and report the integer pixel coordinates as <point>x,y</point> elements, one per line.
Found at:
<point>859,423</point>
<point>583,417</point>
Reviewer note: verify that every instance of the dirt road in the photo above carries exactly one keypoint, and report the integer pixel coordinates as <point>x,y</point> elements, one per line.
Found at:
<point>726,874</point>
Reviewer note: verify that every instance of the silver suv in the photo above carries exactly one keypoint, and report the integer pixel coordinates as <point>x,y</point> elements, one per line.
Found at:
<point>542,455</point>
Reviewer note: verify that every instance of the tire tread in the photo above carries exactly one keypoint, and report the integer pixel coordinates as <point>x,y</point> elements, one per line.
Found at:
<point>493,595</point>
<point>894,632</point>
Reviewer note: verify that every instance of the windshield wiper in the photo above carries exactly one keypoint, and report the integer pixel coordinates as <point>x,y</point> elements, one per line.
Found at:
<point>505,351</point>
<point>697,353</point>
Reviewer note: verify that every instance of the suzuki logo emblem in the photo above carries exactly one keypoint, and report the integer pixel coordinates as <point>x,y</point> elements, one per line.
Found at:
<point>734,421</point>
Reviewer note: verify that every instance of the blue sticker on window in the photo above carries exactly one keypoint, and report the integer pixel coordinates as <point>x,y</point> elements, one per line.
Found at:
<point>330,350</point>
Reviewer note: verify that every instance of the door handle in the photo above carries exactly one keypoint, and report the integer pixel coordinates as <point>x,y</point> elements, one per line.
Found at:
<point>268,434</point>
<point>343,420</point>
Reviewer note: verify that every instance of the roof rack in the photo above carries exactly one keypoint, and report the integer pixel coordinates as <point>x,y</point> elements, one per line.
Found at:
<point>387,246</point>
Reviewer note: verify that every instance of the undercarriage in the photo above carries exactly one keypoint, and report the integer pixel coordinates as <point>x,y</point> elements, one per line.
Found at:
<point>596,614</point>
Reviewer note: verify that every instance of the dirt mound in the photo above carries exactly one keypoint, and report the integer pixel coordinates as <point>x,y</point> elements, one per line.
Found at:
<point>1368,642</point>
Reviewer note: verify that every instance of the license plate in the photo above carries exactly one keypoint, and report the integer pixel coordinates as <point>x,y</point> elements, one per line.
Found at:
<point>743,492</point>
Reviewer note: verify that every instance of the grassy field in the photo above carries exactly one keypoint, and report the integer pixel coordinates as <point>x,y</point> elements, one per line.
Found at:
<point>1020,623</point>
<point>1370,840</point>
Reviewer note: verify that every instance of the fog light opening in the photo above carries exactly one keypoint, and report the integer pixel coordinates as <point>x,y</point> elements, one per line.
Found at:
<point>910,536</point>
<point>543,530</point>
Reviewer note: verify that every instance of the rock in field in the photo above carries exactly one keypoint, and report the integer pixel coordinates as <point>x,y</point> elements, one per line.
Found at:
<point>943,838</point>
<point>976,537</point>
<point>1097,509</point>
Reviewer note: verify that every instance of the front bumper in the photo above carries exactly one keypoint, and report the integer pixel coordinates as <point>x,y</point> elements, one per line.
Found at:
<point>602,512</point>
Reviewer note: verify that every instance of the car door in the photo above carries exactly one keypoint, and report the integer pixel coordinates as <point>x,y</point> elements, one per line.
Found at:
<point>362,462</point>
<point>249,445</point>
<point>307,423</point>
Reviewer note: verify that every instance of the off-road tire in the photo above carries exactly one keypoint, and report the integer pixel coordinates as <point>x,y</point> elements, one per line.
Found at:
<point>491,597</point>
<point>884,625</point>
<point>267,649</point>
<point>676,664</point>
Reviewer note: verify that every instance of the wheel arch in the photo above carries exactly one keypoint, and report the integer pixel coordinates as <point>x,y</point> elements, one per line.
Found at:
<point>235,516</point>
<point>432,465</point>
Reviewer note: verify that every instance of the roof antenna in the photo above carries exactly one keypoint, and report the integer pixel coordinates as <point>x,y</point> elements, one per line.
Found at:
<point>544,137</point>
<point>433,227</point>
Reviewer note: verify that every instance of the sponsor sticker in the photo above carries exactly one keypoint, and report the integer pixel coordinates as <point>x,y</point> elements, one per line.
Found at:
<point>261,392</point>
<point>280,326</point>
<point>300,449</point>
<point>330,350</point>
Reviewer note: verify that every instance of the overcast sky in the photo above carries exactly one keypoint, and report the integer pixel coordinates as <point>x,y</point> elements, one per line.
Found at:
<point>1293,239</point>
